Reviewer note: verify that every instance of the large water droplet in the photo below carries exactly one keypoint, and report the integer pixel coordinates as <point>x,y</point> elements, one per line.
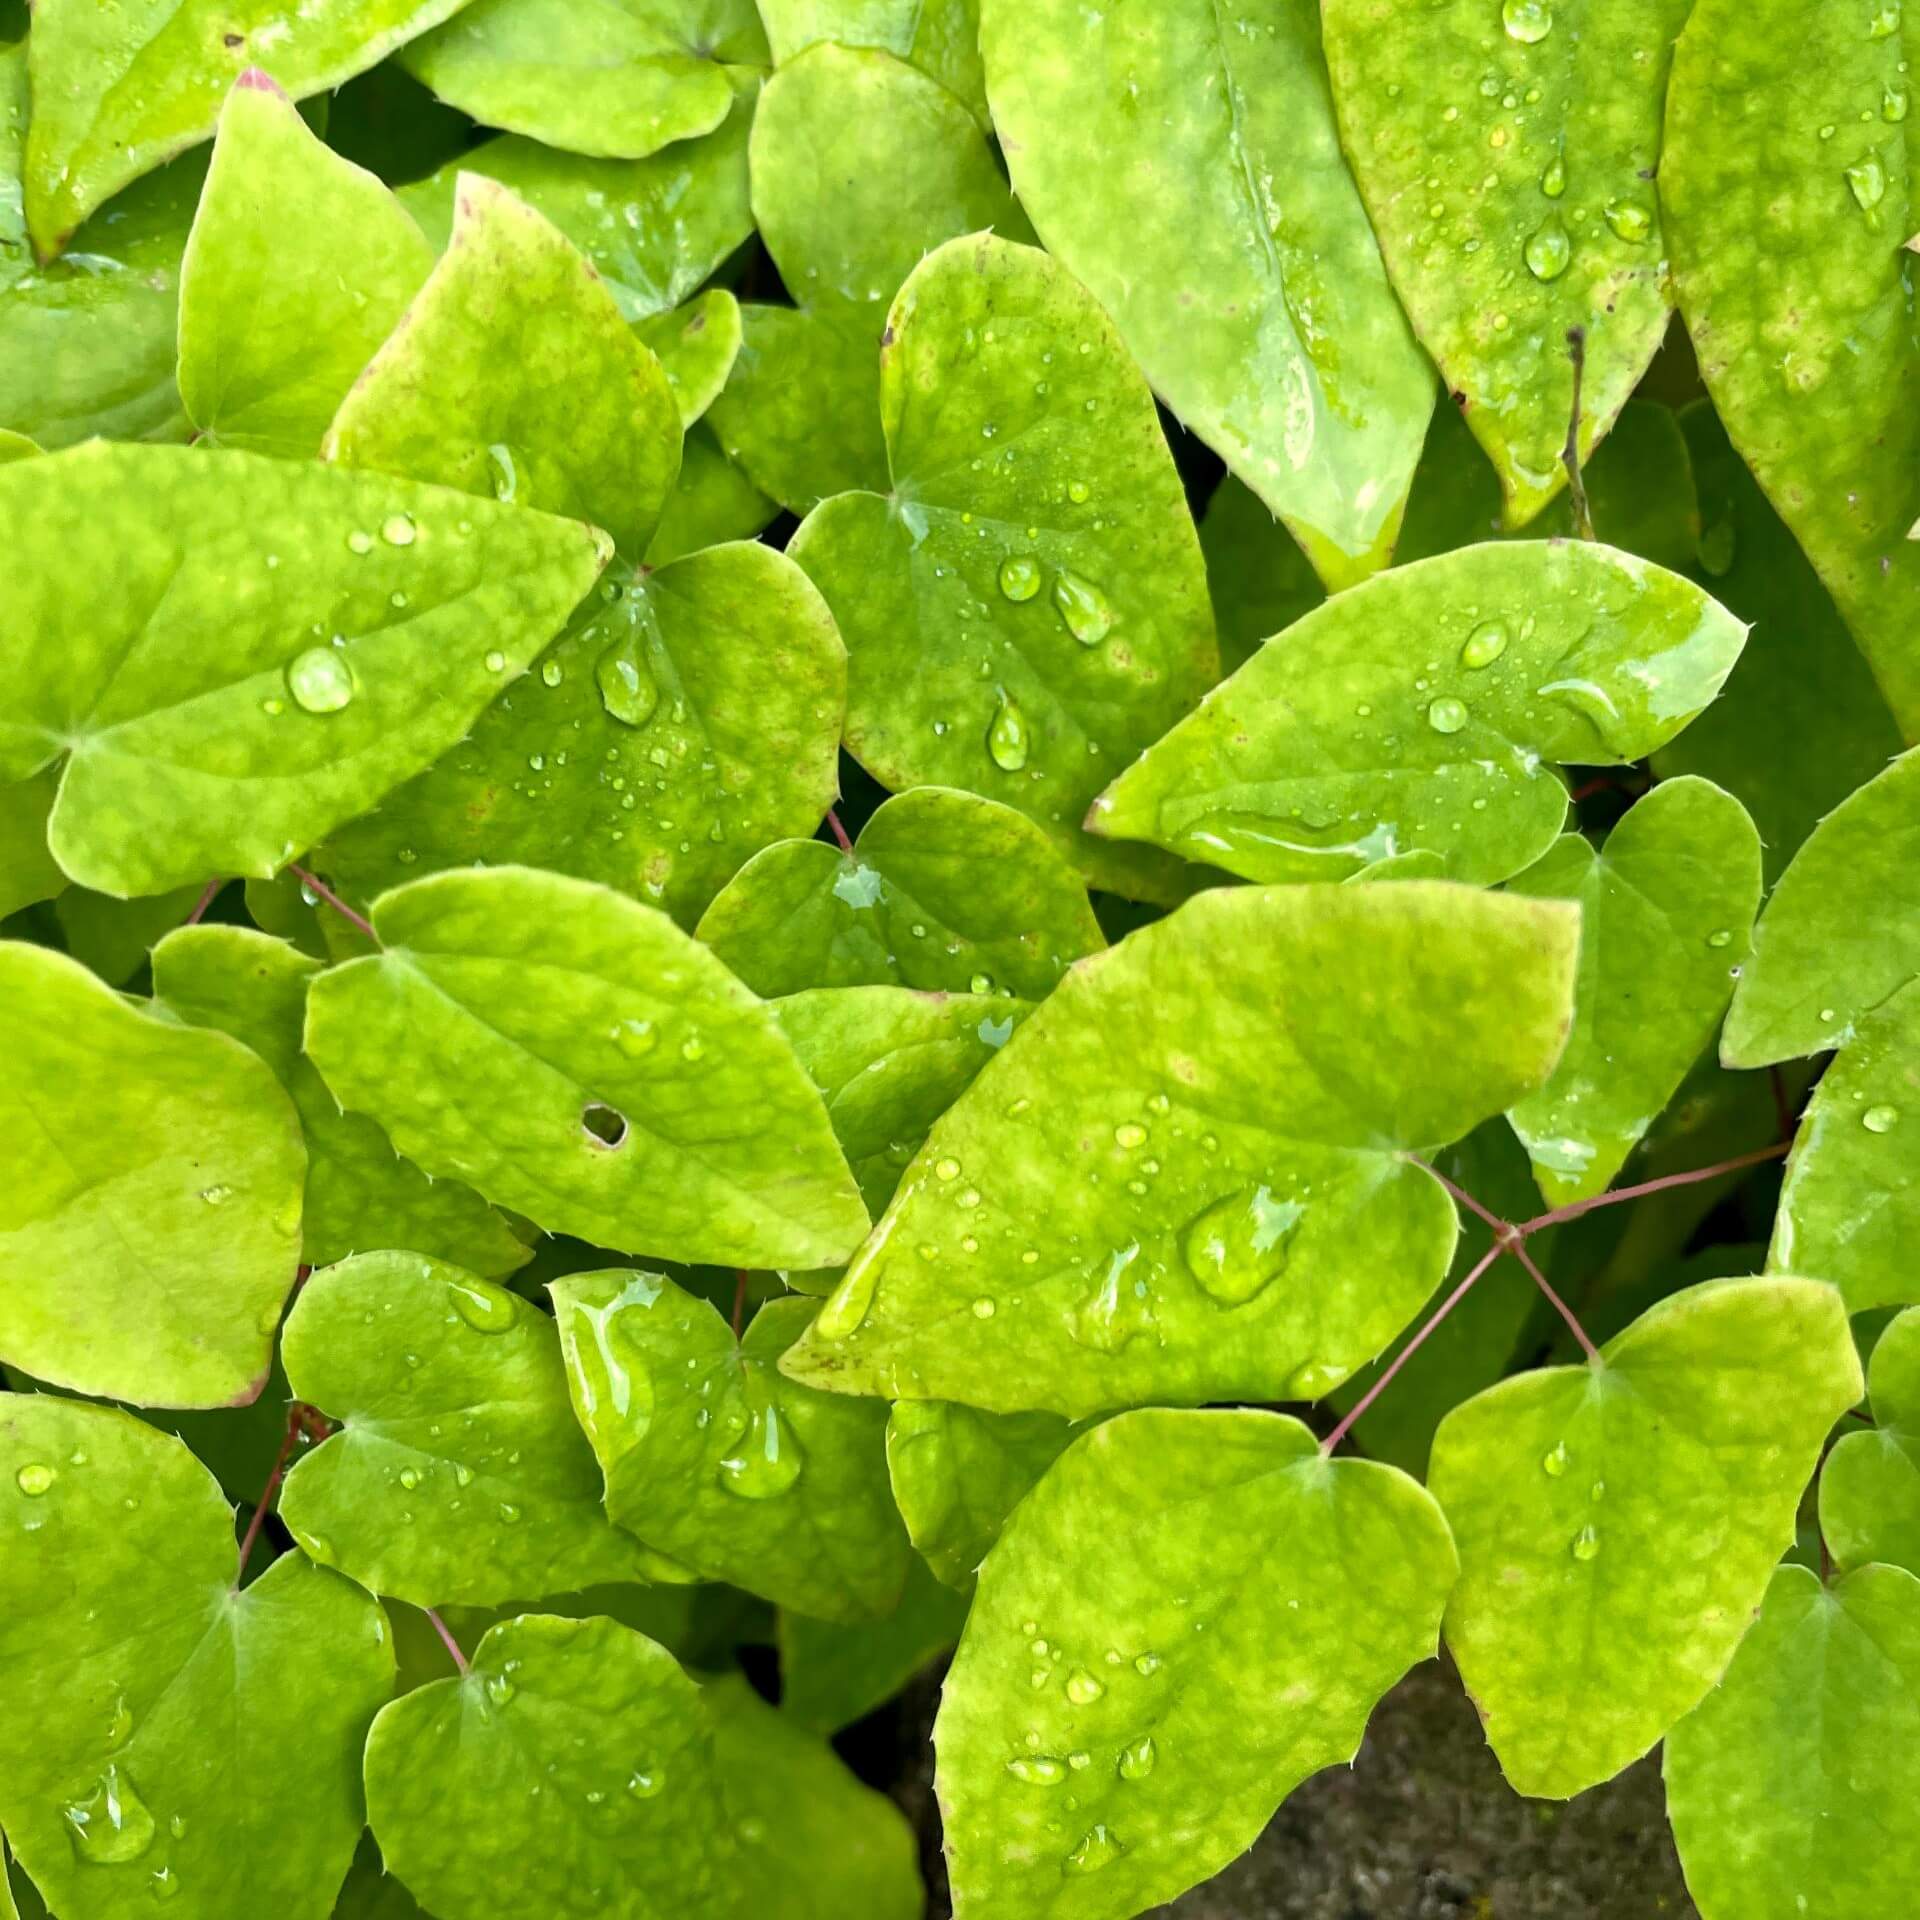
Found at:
<point>1086,610</point>
<point>1868,179</point>
<point>111,1825</point>
<point>849,1303</point>
<point>1136,1761</point>
<point>1629,220</point>
<point>506,476</point>
<point>628,689</point>
<point>1239,1244</point>
<point>1484,645</point>
<point>1555,1462</point>
<point>1037,1770</point>
<point>766,1460</point>
<point>1447,715</point>
<point>1547,250</point>
<point>1880,1119</point>
<point>1553,181</point>
<point>1083,1689</point>
<point>320,680</point>
<point>35,1478</point>
<point>1884,22</point>
<point>1097,1849</point>
<point>483,1306</point>
<point>1586,1543</point>
<point>1893,104</point>
<point>1007,735</point>
<point>1146,1664</point>
<point>609,1362</point>
<point>1528,21</point>
<point>1118,1310</point>
<point>1019,576</point>
<point>397,530</point>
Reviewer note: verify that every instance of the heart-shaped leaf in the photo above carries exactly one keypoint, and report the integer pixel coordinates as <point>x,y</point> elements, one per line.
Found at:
<point>284,642</point>
<point>458,1473</point>
<point>1850,1208</point>
<point>861,164</point>
<point>27,868</point>
<point>619,81</point>
<point>1103,1744</point>
<point>1790,1786</point>
<point>1666,916</point>
<point>1506,155</point>
<point>122,1639</point>
<point>1783,188</point>
<point>1424,713</point>
<point>714,502</point>
<point>298,265</point>
<point>713,1457</point>
<point>359,1192</point>
<point>1870,1485</point>
<point>1027,608</point>
<point>696,346</point>
<point>1100,1219</point>
<point>1618,1522</point>
<point>833,1673</point>
<point>150,1220</point>
<point>594,1754</point>
<point>117,91</point>
<point>1228,242</point>
<point>940,37</point>
<point>944,891</point>
<point>653,228</point>
<point>1841,932</point>
<point>957,1473</point>
<point>616,1081</point>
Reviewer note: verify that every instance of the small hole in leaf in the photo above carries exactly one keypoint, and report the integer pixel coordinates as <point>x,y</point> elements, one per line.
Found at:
<point>606,1124</point>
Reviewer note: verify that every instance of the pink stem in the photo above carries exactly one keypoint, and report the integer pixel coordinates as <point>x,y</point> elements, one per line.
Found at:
<point>1559,1306</point>
<point>1465,1199</point>
<point>1406,1353</point>
<point>1575,1208</point>
<point>259,1520</point>
<point>839,832</point>
<point>333,900</point>
<point>739,1300</point>
<point>451,1644</point>
<point>205,901</point>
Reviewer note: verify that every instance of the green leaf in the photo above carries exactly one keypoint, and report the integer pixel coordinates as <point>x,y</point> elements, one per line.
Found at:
<point>1785,195</point>
<point>619,81</point>
<point>832,1674</point>
<point>1850,1208</point>
<point>1506,155</point>
<point>110,937</point>
<point>1027,608</point>
<point>713,503</point>
<point>1424,713</point>
<point>359,1192</point>
<point>124,1645</point>
<point>957,1473</point>
<point>27,868</point>
<point>1618,1522</point>
<point>86,343</point>
<point>1105,1743</point>
<point>653,228</point>
<point>209,726</point>
<point>888,1063</point>
<point>687,717</point>
<point>1790,1786</point>
<point>696,346</point>
<point>514,376</point>
<point>1799,723</point>
<point>1841,932</point>
<point>815,1844</point>
<point>944,891</point>
<point>298,265</point>
<point>713,1457</point>
<point>1666,919</point>
<point>117,91</point>
<point>860,165</point>
<point>940,37</point>
<point>150,1222</point>
<point>1870,1485</point>
<point>1183,162</point>
<point>592,1754</point>
<point>614,1080</point>
<point>1099,1220</point>
<point>458,1473</point>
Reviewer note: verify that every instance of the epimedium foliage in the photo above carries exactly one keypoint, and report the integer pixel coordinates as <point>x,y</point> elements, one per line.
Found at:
<point>1342,1083</point>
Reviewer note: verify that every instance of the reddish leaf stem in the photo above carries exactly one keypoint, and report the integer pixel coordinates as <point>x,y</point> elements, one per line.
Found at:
<point>1566,1313</point>
<point>301,1418</point>
<point>739,1301</point>
<point>839,832</point>
<point>206,899</point>
<point>318,886</point>
<point>1465,1199</point>
<point>446,1638</point>
<point>1575,1208</point>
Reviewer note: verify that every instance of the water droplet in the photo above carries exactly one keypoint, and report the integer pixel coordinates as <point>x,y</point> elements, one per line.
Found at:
<point>1553,182</point>
<point>1019,576</point>
<point>1037,1770</point>
<point>552,673</point>
<point>1893,104</point>
<point>1884,22</point>
<point>1484,645</point>
<point>506,476</point>
<point>165,1884</point>
<point>499,1689</point>
<point>693,1047</point>
<point>1077,492</point>
<point>1630,221</point>
<point>628,689</point>
<point>1119,1308</point>
<point>1239,1244</point>
<point>1087,611</point>
<point>1556,1462</point>
<point>111,1825</point>
<point>360,541</point>
<point>120,1728</point>
<point>35,1478</point>
<point>177,1826</point>
<point>1146,1664</point>
<point>1136,1761</point>
<point>509,1512</point>
<point>984,1308</point>
<point>1547,250</point>
<point>1720,937</point>
<point>635,1038</point>
<point>409,1478</point>
<point>1868,179</point>
<point>1083,1689</point>
<point>320,680</point>
<point>397,530</point>
<point>1447,715</point>
<point>1586,1543</point>
<point>767,1459</point>
<point>1129,1136</point>
<point>1007,736</point>
<point>1880,1119</point>
<point>981,983</point>
<point>483,1306</point>
<point>1528,21</point>
<point>496,661</point>
<point>1097,1849</point>
<point>644,1782</point>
